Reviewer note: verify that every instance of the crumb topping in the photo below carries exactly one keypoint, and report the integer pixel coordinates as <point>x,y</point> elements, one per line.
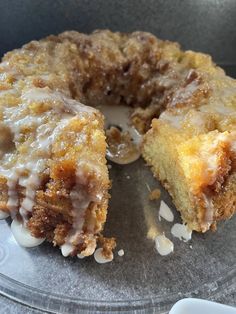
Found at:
<point>154,194</point>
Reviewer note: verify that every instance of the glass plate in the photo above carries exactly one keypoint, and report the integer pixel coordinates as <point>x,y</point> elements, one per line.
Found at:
<point>141,280</point>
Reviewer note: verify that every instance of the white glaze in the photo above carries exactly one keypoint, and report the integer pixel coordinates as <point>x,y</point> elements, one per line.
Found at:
<point>3,214</point>
<point>100,258</point>
<point>184,93</point>
<point>18,118</point>
<point>197,120</point>
<point>164,245</point>
<point>233,145</point>
<point>38,95</point>
<point>13,200</point>
<point>165,212</point>
<point>66,249</point>
<point>80,256</point>
<point>64,103</point>
<point>23,236</point>
<point>31,183</point>
<point>173,119</point>
<point>209,155</point>
<point>181,231</point>
<point>212,165</point>
<point>81,200</point>
<point>166,81</point>
<point>121,252</point>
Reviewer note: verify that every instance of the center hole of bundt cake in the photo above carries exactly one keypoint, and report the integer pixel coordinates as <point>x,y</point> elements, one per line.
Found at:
<point>122,137</point>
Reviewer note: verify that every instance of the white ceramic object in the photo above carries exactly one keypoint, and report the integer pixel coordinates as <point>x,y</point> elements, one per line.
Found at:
<point>196,306</point>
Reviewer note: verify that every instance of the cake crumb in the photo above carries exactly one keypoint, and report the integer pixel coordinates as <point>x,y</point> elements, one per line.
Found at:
<point>191,247</point>
<point>121,252</point>
<point>148,187</point>
<point>181,231</point>
<point>128,177</point>
<point>121,147</point>
<point>108,245</point>
<point>154,194</point>
<point>101,258</point>
<point>109,166</point>
<point>165,212</point>
<point>164,245</point>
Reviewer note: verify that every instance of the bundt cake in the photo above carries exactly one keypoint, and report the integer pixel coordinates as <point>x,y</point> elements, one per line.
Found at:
<point>53,174</point>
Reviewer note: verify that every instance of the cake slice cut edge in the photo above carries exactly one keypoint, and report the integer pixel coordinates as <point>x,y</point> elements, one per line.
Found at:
<point>191,147</point>
<point>196,188</point>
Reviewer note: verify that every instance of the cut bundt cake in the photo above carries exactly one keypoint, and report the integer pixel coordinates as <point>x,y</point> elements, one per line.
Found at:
<point>53,175</point>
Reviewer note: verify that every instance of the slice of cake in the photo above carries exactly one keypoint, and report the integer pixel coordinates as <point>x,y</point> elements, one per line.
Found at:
<point>191,147</point>
<point>54,180</point>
